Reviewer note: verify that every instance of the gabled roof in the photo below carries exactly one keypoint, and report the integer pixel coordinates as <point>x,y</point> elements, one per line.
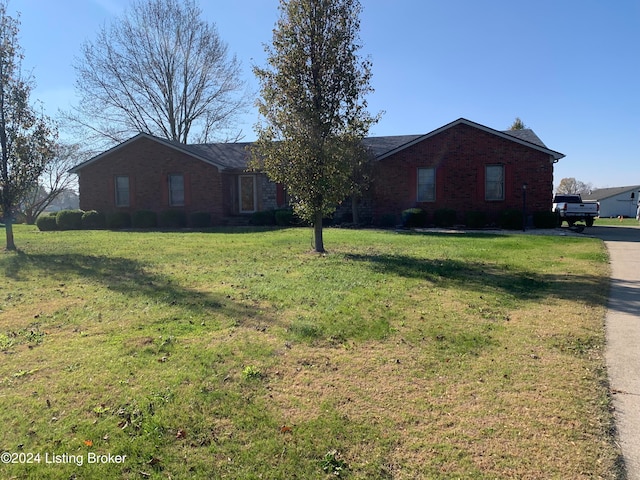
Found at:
<point>234,156</point>
<point>524,137</point>
<point>604,193</point>
<point>188,149</point>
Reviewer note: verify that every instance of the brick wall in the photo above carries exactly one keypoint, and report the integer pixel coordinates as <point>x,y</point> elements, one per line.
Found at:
<point>148,164</point>
<point>459,155</point>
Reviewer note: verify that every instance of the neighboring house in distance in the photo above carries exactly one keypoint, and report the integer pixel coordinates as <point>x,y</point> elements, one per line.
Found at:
<point>617,201</point>
<point>463,166</point>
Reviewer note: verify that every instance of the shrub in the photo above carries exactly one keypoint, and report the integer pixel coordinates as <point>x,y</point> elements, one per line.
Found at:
<point>284,217</point>
<point>69,219</point>
<point>92,220</point>
<point>200,220</point>
<point>173,219</point>
<point>264,217</point>
<point>387,221</point>
<point>511,219</point>
<point>444,217</point>
<point>475,219</point>
<point>46,223</point>
<point>144,219</point>
<point>118,220</point>
<point>414,218</point>
<point>545,220</point>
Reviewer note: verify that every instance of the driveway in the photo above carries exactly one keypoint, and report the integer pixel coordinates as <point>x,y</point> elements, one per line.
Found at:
<point>623,337</point>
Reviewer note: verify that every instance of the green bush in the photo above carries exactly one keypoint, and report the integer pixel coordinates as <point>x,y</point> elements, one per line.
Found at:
<point>119,220</point>
<point>511,219</point>
<point>264,217</point>
<point>414,218</point>
<point>444,217</point>
<point>144,219</point>
<point>284,217</point>
<point>93,220</point>
<point>46,223</point>
<point>388,220</point>
<point>200,220</point>
<point>545,220</point>
<point>69,219</point>
<point>475,219</point>
<point>173,219</point>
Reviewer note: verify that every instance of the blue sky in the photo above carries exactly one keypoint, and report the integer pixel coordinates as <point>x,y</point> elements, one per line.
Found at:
<point>570,70</point>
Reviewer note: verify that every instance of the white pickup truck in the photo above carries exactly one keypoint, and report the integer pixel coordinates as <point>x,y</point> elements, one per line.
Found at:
<point>571,209</point>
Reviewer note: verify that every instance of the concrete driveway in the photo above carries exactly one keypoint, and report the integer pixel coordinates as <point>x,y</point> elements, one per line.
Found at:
<point>623,337</point>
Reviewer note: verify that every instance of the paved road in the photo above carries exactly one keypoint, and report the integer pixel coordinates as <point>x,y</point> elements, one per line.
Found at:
<point>623,337</point>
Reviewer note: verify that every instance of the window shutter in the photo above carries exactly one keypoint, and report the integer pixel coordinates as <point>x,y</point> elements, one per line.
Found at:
<point>164,188</point>
<point>187,189</point>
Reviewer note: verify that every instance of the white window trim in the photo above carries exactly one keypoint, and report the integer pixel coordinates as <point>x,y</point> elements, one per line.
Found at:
<point>127,202</point>
<point>172,203</point>
<point>486,190</point>
<point>255,194</point>
<point>418,185</point>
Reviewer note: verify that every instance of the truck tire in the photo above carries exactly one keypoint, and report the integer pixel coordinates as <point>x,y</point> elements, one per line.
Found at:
<point>589,221</point>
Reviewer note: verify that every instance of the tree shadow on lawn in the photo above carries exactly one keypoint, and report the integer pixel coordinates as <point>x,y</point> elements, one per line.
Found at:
<point>123,275</point>
<point>479,276</point>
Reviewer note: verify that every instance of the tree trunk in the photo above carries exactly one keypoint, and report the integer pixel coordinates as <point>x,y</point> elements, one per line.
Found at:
<point>8,226</point>
<point>355,219</point>
<point>317,233</point>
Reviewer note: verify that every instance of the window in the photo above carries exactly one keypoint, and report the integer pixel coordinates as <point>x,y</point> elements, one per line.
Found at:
<point>247,193</point>
<point>122,191</point>
<point>176,190</point>
<point>426,184</point>
<point>494,182</point>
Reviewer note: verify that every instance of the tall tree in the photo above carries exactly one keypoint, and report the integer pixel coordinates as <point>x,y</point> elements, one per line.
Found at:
<point>160,69</point>
<point>517,124</point>
<point>570,185</point>
<point>313,105</point>
<point>27,139</point>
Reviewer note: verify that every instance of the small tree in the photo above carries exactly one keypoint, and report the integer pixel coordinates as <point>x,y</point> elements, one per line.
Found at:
<point>27,139</point>
<point>517,124</point>
<point>160,69</point>
<point>312,102</point>
<point>54,181</point>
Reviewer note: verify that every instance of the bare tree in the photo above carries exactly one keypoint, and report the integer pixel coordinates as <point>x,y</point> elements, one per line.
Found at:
<point>54,181</point>
<point>160,69</point>
<point>572,186</point>
<point>27,138</point>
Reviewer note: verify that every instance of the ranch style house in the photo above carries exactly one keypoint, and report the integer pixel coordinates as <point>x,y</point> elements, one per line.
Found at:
<point>462,166</point>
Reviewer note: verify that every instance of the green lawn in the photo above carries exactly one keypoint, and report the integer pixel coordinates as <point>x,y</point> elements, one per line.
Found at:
<point>241,354</point>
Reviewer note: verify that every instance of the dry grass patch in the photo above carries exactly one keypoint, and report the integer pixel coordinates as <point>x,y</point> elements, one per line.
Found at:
<point>241,355</point>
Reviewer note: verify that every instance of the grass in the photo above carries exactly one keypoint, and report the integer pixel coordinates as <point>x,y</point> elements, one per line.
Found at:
<point>240,354</point>
<point>626,222</point>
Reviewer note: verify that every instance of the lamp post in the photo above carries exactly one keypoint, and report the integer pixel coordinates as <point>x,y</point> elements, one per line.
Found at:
<point>524,206</point>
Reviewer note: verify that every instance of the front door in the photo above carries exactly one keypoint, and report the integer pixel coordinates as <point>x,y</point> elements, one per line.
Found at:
<point>247,190</point>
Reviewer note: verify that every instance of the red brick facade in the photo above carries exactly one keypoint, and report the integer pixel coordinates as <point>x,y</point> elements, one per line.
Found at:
<point>148,164</point>
<point>460,155</point>
<point>456,155</point>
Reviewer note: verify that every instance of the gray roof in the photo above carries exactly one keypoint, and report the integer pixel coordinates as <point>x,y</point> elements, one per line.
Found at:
<point>527,135</point>
<point>234,156</point>
<point>604,193</point>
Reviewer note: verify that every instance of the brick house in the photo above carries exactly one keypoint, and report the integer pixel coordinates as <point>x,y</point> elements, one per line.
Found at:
<point>463,166</point>
<point>150,173</point>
